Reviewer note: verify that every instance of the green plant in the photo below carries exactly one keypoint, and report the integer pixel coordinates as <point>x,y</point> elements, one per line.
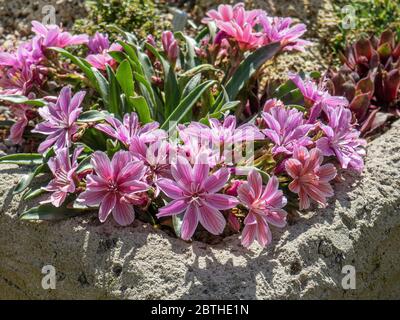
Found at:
<point>370,16</point>
<point>139,16</point>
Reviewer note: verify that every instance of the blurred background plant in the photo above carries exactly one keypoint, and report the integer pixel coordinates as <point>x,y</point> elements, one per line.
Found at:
<point>142,17</point>
<point>370,16</point>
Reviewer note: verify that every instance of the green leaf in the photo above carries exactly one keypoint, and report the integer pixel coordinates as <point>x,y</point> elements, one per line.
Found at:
<point>177,220</point>
<point>31,194</point>
<point>171,90</point>
<point>124,76</point>
<point>114,94</point>
<point>190,55</point>
<point>249,66</point>
<point>185,106</point>
<point>85,66</point>
<point>19,99</point>
<point>84,165</point>
<point>92,116</point>
<point>23,159</point>
<point>198,69</point>
<point>50,213</point>
<point>27,179</point>
<point>141,108</point>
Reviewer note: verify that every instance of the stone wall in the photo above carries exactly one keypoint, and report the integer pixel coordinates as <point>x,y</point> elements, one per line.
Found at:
<point>360,227</point>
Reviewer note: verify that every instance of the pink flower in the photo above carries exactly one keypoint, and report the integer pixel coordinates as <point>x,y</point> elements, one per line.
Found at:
<point>224,133</point>
<point>129,128</point>
<point>21,112</point>
<point>170,46</point>
<point>155,156</point>
<point>281,29</point>
<point>98,43</point>
<point>53,36</point>
<point>310,179</point>
<point>286,128</point>
<point>316,97</point>
<point>238,24</point>
<point>342,139</point>
<point>64,172</point>
<point>265,207</point>
<point>99,47</point>
<point>60,119</point>
<point>194,192</point>
<point>115,186</point>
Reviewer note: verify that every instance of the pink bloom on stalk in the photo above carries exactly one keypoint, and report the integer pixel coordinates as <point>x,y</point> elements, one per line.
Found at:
<point>281,29</point>
<point>115,186</point>
<point>60,120</point>
<point>170,45</point>
<point>64,176</point>
<point>99,47</point>
<point>286,128</point>
<point>53,36</point>
<point>265,207</point>
<point>130,127</point>
<point>310,179</point>
<point>342,139</point>
<point>194,192</point>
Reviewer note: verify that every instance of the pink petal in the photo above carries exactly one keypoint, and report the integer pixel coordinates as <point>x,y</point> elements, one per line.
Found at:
<point>182,172</point>
<point>211,219</point>
<point>249,234</point>
<point>170,188</point>
<point>221,201</point>
<point>91,198</point>
<point>190,222</point>
<point>173,208</point>
<point>102,165</point>
<point>216,181</point>
<point>255,183</point>
<point>123,213</point>
<point>106,206</point>
<point>264,236</point>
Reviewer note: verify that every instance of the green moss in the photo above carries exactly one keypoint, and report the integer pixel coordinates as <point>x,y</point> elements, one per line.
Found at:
<point>139,16</point>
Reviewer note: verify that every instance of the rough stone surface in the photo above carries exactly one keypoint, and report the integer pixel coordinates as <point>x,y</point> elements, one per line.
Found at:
<point>361,227</point>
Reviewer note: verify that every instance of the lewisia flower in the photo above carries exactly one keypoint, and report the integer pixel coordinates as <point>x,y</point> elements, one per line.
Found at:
<point>342,139</point>
<point>316,97</point>
<point>224,133</point>
<point>155,157</point>
<point>281,29</point>
<point>53,36</point>
<point>99,46</point>
<point>129,128</point>
<point>64,175</point>
<point>310,179</point>
<point>286,128</point>
<point>194,192</point>
<point>265,207</point>
<point>115,186</point>
<point>238,24</point>
<point>60,119</point>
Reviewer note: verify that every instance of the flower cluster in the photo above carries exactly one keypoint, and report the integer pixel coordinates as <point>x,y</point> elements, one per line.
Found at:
<point>254,28</point>
<point>156,129</point>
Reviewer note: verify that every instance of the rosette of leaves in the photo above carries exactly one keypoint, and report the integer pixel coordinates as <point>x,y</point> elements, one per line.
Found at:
<point>370,79</point>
